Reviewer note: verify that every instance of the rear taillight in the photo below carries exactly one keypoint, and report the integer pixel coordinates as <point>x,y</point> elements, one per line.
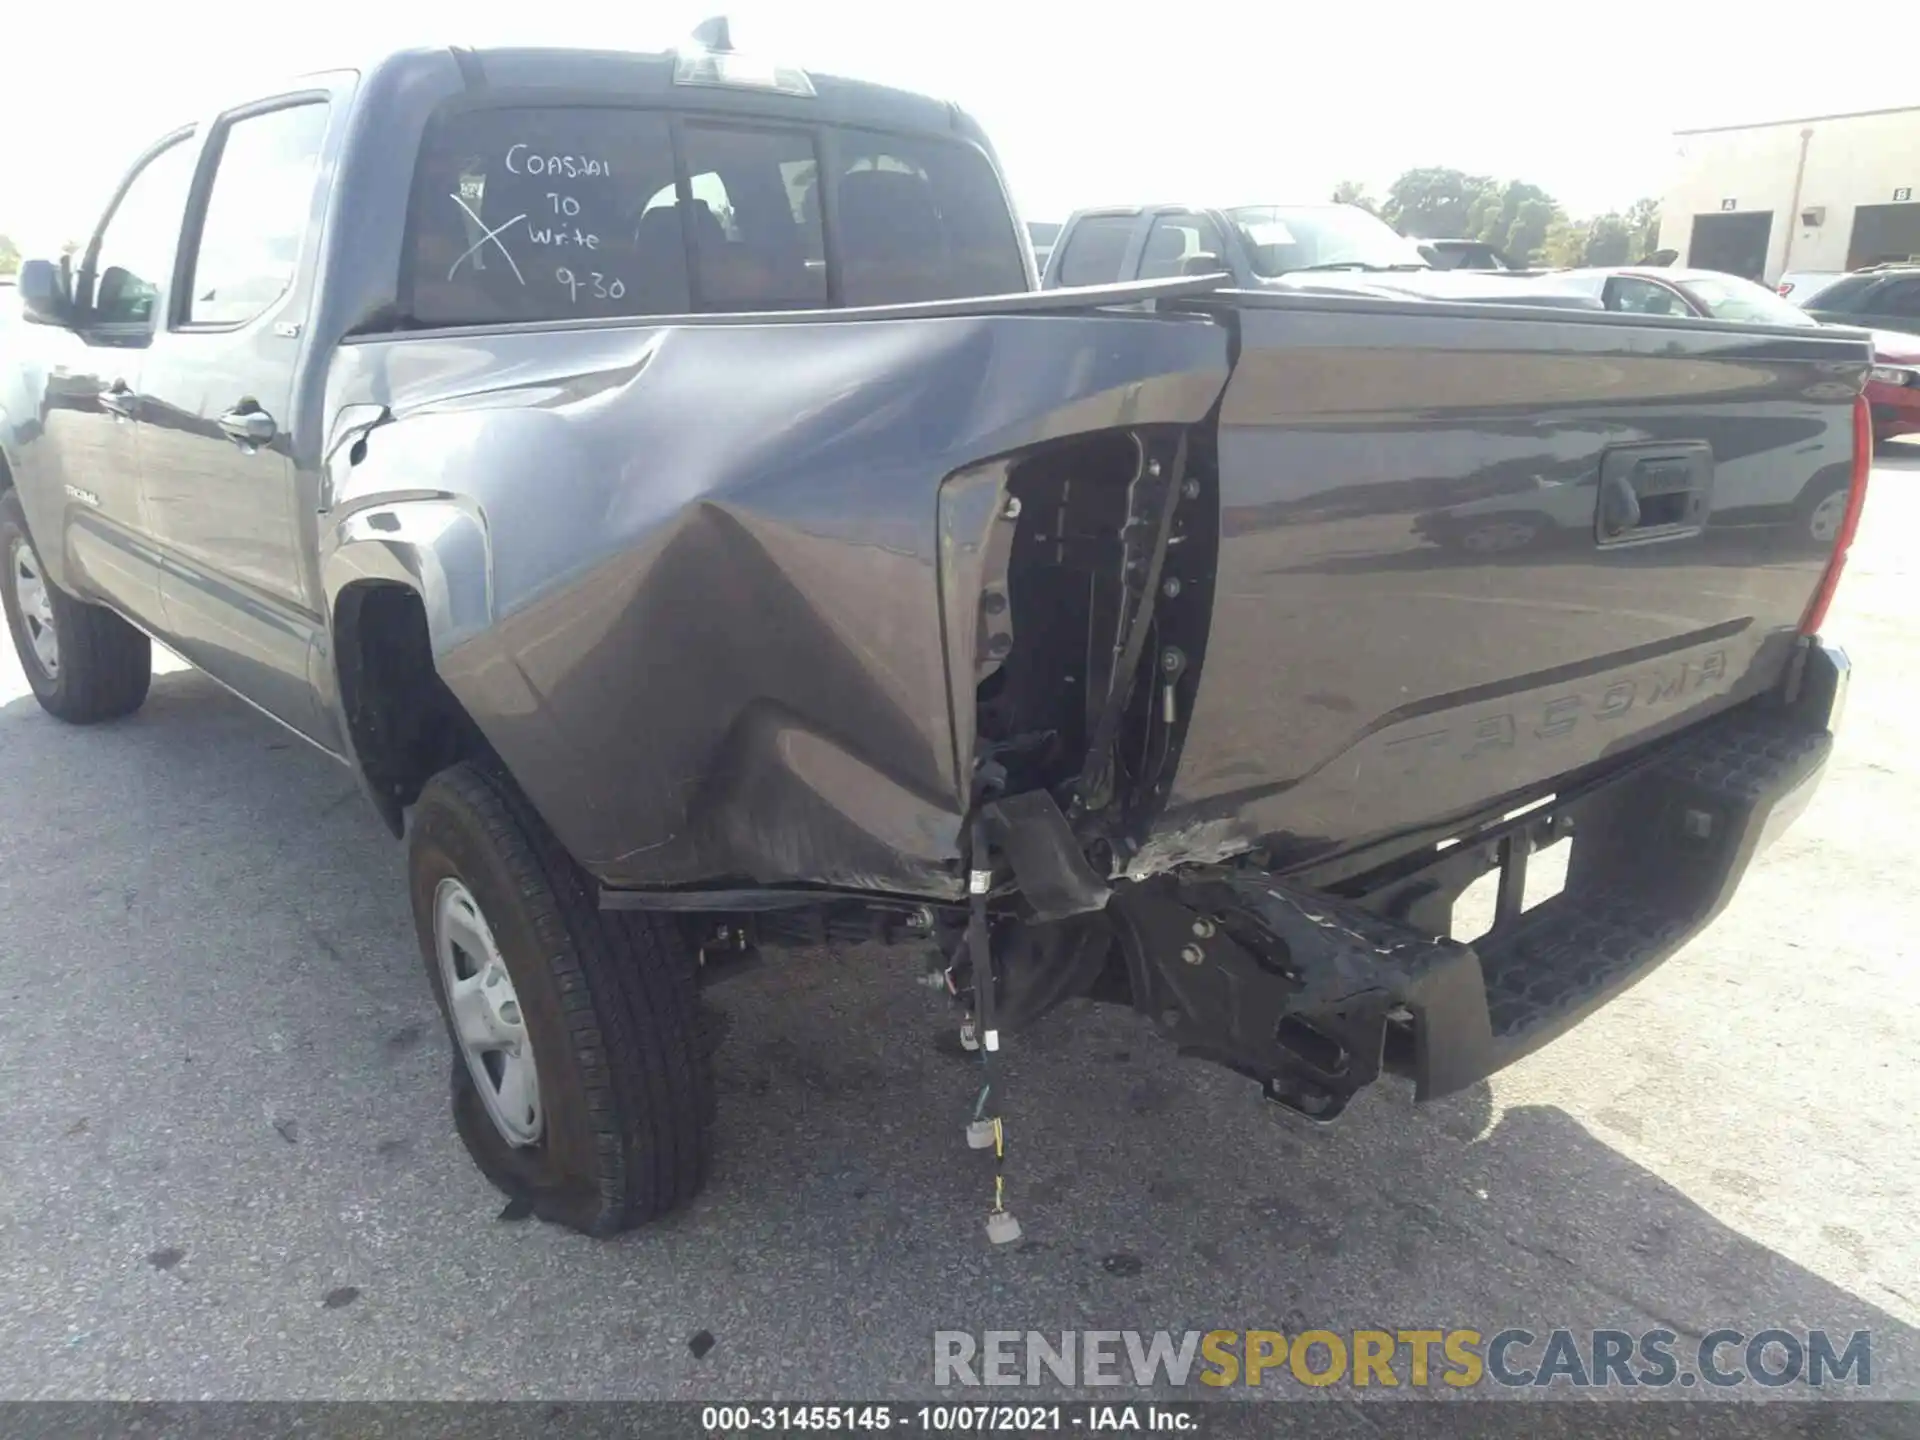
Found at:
<point>1785,287</point>
<point>1856,501</point>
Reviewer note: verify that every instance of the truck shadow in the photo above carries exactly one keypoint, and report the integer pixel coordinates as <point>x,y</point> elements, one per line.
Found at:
<point>842,1225</point>
<point>1162,1193</point>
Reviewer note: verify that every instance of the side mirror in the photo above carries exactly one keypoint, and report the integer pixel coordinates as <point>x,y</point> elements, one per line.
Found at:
<point>1204,263</point>
<point>45,296</point>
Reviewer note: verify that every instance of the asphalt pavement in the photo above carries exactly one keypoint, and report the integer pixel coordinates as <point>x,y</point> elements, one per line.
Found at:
<point>227,1170</point>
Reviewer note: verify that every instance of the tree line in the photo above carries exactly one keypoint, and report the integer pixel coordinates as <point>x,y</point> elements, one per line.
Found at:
<point>1521,220</point>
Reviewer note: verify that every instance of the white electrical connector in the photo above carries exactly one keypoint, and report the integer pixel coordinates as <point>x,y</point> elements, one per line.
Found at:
<point>980,1134</point>
<point>992,1038</point>
<point>1002,1228</point>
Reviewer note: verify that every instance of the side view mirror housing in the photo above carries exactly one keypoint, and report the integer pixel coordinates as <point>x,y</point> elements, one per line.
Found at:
<point>46,294</point>
<point>1204,263</point>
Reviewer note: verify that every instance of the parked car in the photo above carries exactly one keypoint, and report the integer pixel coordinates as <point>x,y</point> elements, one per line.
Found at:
<point>1300,249</point>
<point>1714,295</point>
<point>1551,514</point>
<point>1800,286</point>
<point>1886,297</point>
<point>1893,385</point>
<point>1252,243</point>
<point>685,567</point>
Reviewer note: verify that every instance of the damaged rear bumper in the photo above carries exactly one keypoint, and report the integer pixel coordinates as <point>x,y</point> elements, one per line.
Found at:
<point>1315,992</point>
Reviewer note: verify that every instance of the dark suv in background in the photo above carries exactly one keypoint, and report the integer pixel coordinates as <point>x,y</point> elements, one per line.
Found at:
<point>1887,297</point>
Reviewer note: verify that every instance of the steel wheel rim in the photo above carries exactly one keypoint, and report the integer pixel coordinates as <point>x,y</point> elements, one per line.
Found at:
<point>489,1027</point>
<point>35,601</point>
<point>1824,524</point>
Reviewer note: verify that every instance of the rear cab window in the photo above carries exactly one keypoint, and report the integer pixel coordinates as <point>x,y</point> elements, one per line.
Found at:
<point>558,212</point>
<point>1096,250</point>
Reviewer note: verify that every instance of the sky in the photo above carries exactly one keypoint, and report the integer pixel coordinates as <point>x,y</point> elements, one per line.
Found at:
<point>1088,104</point>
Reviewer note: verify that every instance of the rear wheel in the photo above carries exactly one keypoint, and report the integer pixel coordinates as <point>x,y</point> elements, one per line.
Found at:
<point>581,1074</point>
<point>1823,515</point>
<point>84,663</point>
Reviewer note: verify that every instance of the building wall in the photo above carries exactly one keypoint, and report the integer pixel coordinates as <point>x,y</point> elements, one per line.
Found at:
<point>1852,160</point>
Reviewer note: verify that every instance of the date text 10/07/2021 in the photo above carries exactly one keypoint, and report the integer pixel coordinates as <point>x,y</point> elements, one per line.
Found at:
<point>952,1419</point>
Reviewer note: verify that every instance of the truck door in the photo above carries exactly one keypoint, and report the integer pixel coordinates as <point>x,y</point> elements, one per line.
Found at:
<point>217,396</point>
<point>82,485</point>
<point>1098,250</point>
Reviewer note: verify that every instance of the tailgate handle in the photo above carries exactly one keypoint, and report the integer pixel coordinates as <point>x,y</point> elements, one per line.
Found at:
<point>1653,492</point>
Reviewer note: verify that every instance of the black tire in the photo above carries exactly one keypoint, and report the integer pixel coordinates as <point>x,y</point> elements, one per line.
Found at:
<point>105,665</point>
<point>610,1005</point>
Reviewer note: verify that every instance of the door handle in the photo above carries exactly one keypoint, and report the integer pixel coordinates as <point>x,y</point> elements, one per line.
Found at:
<point>249,429</point>
<point>118,400</point>
<point>1658,491</point>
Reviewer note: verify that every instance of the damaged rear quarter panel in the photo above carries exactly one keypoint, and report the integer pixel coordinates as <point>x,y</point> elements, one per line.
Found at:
<point>713,642</point>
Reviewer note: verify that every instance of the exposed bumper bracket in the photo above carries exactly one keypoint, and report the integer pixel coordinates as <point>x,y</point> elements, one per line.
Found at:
<point>1290,988</point>
<point>1314,994</point>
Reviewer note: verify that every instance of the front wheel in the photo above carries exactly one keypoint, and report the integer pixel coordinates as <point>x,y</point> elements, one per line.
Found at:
<point>581,1082</point>
<point>85,664</point>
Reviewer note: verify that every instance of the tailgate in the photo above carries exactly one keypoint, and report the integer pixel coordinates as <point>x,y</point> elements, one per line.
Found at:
<point>1463,555</point>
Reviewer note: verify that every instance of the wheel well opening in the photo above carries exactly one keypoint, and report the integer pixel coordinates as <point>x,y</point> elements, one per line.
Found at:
<point>405,724</point>
<point>1061,595</point>
<point>1078,603</point>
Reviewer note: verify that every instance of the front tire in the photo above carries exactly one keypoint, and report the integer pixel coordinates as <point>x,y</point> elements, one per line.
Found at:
<point>581,1080</point>
<point>85,663</point>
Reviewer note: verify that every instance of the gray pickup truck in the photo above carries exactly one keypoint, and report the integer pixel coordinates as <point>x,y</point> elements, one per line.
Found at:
<point>661,480</point>
<point>1252,243</point>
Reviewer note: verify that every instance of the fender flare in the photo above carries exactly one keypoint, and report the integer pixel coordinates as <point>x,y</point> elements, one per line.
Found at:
<point>434,546</point>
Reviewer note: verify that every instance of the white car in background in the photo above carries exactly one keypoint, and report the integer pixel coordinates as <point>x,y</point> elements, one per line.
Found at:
<point>1800,286</point>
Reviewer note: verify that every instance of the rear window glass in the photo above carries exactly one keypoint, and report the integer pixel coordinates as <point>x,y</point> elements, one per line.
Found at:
<point>552,213</point>
<point>1095,249</point>
<point>920,219</point>
<point>756,241</point>
<point>1844,293</point>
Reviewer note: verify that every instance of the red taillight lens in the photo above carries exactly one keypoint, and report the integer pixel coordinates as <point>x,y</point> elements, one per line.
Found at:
<point>1785,287</point>
<point>1856,501</point>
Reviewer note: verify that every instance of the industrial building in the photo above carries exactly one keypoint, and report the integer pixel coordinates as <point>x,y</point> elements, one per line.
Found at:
<point>1827,192</point>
